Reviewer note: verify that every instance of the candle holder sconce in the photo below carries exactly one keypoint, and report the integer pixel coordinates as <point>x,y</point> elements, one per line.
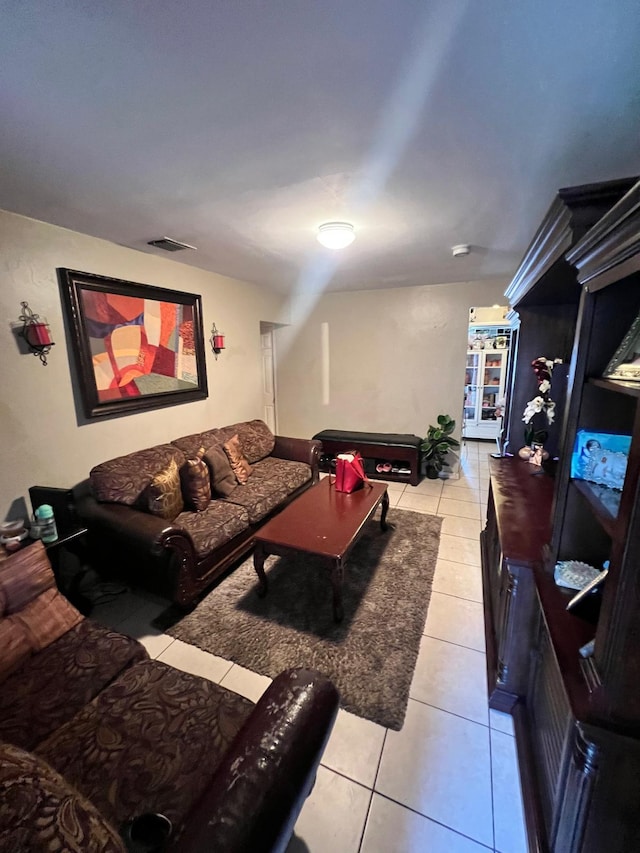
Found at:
<point>217,341</point>
<point>35,332</point>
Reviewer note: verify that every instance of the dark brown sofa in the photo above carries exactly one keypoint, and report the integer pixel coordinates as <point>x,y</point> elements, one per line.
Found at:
<point>180,557</point>
<point>93,734</point>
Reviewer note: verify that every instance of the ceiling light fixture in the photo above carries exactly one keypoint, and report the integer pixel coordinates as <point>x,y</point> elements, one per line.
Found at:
<point>336,235</point>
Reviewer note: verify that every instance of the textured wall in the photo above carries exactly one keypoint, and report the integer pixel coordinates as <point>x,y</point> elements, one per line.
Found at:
<point>395,358</point>
<point>45,441</point>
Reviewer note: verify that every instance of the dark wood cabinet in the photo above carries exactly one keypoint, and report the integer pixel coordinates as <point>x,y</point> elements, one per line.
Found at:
<point>577,718</point>
<point>517,528</point>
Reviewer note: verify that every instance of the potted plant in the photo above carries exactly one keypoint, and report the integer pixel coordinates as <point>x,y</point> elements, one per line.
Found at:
<point>436,444</point>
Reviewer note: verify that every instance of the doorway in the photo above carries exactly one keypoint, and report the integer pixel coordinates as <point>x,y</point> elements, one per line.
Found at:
<point>489,341</point>
<point>267,353</point>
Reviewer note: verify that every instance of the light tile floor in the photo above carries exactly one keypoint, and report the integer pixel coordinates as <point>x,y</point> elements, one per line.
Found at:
<point>448,781</point>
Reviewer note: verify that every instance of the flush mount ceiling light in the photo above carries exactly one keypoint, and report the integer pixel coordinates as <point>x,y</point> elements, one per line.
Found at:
<point>336,235</point>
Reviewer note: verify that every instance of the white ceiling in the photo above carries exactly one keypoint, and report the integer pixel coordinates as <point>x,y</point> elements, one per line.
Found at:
<point>239,126</point>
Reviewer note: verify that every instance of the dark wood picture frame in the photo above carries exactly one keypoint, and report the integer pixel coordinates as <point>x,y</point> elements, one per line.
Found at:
<point>136,346</point>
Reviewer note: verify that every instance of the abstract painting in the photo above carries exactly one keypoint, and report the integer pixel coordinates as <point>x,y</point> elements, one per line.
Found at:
<point>136,347</point>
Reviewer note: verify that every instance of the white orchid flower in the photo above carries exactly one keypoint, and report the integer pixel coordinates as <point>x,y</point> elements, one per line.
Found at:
<point>533,407</point>
<point>544,386</point>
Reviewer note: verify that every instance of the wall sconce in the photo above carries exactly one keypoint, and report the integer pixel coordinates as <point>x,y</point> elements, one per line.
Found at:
<point>217,341</point>
<point>35,332</point>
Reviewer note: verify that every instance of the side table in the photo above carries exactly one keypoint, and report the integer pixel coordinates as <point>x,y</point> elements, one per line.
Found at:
<point>66,556</point>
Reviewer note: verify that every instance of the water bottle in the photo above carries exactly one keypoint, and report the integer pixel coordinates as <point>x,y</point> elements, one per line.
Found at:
<point>46,523</point>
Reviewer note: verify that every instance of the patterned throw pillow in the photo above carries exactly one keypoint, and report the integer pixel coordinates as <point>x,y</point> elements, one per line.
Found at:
<point>15,646</point>
<point>196,485</point>
<point>24,575</point>
<point>238,461</point>
<point>223,480</point>
<point>164,493</point>
<point>47,618</point>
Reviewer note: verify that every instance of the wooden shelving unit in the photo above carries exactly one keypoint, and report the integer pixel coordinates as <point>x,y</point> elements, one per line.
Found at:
<point>577,719</point>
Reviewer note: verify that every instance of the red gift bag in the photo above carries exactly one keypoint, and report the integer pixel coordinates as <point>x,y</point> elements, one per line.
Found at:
<point>350,472</point>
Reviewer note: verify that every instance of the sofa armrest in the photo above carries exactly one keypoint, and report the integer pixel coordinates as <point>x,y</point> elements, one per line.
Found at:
<point>134,528</point>
<point>299,450</point>
<point>257,792</point>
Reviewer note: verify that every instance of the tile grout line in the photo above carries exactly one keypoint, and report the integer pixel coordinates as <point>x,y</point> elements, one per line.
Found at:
<point>486,725</point>
<point>366,819</point>
<point>493,805</point>
<point>451,643</point>
<point>433,820</point>
<point>459,597</point>
<point>384,742</point>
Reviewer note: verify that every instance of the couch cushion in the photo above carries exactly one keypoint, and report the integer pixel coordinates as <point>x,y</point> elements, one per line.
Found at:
<point>258,498</point>
<point>189,444</point>
<point>223,480</point>
<point>124,480</point>
<point>257,439</point>
<point>238,461</point>
<point>157,734</point>
<point>219,523</point>
<point>41,812</point>
<point>52,685</point>
<point>196,483</point>
<point>289,475</point>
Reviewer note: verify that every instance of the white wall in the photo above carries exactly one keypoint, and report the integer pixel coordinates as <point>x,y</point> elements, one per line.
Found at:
<point>396,359</point>
<point>42,441</point>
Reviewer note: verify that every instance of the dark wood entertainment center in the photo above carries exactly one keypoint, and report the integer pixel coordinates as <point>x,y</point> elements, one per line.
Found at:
<point>576,719</point>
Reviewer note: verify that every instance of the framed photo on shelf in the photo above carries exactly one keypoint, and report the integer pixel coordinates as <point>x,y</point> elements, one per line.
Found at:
<point>600,458</point>
<point>625,363</point>
<point>136,347</point>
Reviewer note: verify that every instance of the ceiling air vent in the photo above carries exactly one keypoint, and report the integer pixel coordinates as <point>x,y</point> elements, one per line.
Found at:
<point>170,245</point>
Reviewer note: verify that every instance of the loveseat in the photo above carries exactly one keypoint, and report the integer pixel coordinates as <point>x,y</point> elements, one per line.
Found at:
<point>94,735</point>
<point>177,547</point>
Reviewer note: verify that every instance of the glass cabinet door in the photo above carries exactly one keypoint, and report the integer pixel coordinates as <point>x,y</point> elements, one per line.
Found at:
<point>491,384</point>
<point>471,386</point>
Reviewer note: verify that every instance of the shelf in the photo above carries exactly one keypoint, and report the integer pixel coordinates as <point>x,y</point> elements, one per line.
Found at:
<point>603,501</point>
<point>629,389</point>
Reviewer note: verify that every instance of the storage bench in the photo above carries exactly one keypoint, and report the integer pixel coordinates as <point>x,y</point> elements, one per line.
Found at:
<point>400,451</point>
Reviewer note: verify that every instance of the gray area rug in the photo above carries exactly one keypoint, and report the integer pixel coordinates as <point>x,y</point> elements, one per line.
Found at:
<point>370,656</point>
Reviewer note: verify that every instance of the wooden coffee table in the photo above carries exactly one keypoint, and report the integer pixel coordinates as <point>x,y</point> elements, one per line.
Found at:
<point>322,522</point>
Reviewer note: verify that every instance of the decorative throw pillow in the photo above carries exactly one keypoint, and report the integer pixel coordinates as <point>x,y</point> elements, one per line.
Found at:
<point>15,646</point>
<point>196,485</point>
<point>223,480</point>
<point>164,493</point>
<point>238,461</point>
<point>24,575</point>
<point>46,619</point>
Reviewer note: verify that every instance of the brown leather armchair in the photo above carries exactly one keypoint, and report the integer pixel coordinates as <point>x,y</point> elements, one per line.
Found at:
<point>94,736</point>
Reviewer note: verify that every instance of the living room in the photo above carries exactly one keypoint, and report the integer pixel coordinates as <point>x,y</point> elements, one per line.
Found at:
<point>374,340</point>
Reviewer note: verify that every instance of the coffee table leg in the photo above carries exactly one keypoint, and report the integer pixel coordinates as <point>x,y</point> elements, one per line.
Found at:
<point>337,578</point>
<point>258,564</point>
<point>385,509</point>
